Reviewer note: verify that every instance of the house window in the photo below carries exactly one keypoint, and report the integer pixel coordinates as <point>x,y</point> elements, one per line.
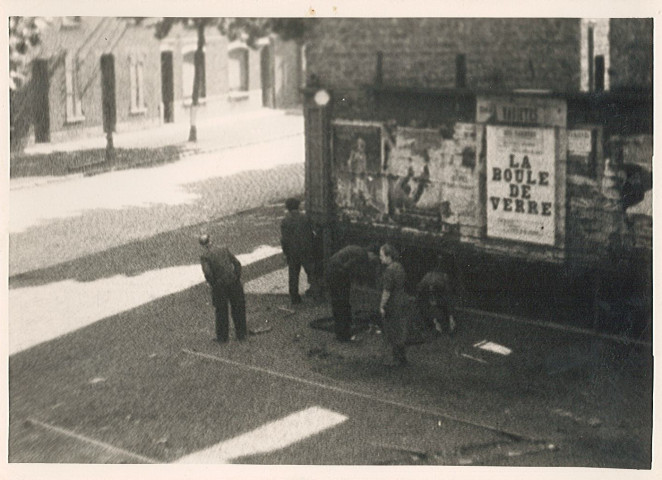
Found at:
<point>188,75</point>
<point>594,57</point>
<point>74,104</point>
<point>137,85</point>
<point>599,73</point>
<point>238,69</point>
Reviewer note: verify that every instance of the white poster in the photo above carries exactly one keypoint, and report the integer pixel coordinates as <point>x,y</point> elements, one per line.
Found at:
<point>521,184</point>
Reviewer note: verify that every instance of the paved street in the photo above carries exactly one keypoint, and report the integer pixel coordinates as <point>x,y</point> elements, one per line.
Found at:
<point>112,360</point>
<point>147,384</point>
<point>53,222</point>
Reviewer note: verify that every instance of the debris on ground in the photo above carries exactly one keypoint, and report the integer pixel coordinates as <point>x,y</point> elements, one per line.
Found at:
<point>258,331</point>
<point>593,421</point>
<point>97,380</point>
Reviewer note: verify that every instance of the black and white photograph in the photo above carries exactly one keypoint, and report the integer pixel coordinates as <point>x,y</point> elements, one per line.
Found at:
<point>279,240</point>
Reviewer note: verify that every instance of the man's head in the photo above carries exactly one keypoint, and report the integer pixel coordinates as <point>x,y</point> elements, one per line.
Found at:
<point>204,240</point>
<point>292,204</point>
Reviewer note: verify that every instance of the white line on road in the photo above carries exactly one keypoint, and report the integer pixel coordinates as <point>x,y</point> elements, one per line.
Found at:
<point>366,396</point>
<point>91,441</point>
<point>480,360</point>
<point>41,313</point>
<point>269,437</point>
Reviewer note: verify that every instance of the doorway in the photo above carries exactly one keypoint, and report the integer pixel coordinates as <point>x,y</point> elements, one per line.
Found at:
<point>167,87</point>
<point>266,68</point>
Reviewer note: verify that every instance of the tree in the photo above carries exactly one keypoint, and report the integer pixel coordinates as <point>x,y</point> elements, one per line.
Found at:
<point>163,28</point>
<point>248,29</point>
<point>24,34</point>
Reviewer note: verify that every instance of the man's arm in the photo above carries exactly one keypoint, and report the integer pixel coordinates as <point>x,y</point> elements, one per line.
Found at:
<point>207,271</point>
<point>284,237</point>
<point>237,265</point>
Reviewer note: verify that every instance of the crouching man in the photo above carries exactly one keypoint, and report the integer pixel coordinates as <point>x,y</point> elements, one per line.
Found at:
<point>436,301</point>
<point>349,264</point>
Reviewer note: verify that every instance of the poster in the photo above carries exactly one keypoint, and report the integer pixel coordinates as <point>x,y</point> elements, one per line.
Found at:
<point>357,157</point>
<point>521,184</point>
<point>460,185</point>
<point>415,172</point>
<point>581,157</point>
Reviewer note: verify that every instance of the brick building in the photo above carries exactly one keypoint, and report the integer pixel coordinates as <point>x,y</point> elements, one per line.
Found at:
<point>478,54</point>
<point>430,104</point>
<point>235,76</point>
<point>86,66</point>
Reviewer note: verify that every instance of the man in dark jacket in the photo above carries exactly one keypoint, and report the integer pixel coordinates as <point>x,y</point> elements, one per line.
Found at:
<point>346,265</point>
<point>436,300</point>
<point>297,241</point>
<point>222,271</point>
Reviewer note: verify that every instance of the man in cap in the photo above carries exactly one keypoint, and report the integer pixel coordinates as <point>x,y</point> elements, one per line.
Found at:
<point>297,241</point>
<point>222,271</point>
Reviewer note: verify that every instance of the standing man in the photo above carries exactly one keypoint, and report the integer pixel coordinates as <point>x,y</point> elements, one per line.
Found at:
<point>222,271</point>
<point>350,263</point>
<point>297,242</point>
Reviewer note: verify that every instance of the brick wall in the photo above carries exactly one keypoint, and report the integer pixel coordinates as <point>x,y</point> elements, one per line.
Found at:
<point>287,73</point>
<point>89,40</point>
<point>631,41</point>
<point>500,53</point>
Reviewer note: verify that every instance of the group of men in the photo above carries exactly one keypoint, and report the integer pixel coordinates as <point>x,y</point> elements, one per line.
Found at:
<point>222,270</point>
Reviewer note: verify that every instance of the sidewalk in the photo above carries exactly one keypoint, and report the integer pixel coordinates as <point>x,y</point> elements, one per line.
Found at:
<point>168,141</point>
<point>164,134</point>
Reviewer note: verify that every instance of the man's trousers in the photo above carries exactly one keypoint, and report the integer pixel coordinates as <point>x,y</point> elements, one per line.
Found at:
<point>232,294</point>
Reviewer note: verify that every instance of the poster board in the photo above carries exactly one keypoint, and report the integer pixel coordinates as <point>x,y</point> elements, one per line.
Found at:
<point>521,184</point>
<point>357,169</point>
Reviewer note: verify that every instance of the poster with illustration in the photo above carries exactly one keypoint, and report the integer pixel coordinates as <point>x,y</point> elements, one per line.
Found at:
<point>460,185</point>
<point>415,172</point>
<point>357,157</point>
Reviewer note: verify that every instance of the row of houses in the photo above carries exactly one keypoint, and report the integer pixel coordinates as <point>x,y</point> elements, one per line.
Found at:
<point>91,70</point>
<point>88,65</point>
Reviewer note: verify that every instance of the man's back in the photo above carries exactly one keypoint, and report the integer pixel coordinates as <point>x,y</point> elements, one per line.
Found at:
<point>219,266</point>
<point>349,260</point>
<point>296,236</point>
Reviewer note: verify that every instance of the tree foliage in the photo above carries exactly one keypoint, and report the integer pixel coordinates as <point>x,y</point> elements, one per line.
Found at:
<point>24,35</point>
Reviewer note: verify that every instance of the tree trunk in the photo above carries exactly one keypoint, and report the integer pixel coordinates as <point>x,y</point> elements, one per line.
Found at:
<point>110,148</point>
<point>197,81</point>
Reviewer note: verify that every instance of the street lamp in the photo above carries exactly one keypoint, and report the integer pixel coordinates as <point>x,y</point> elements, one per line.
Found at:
<point>322,98</point>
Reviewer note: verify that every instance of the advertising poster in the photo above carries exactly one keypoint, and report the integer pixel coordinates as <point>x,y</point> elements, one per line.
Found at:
<point>461,173</point>
<point>581,158</point>
<point>415,172</point>
<point>357,156</point>
<point>521,184</point>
